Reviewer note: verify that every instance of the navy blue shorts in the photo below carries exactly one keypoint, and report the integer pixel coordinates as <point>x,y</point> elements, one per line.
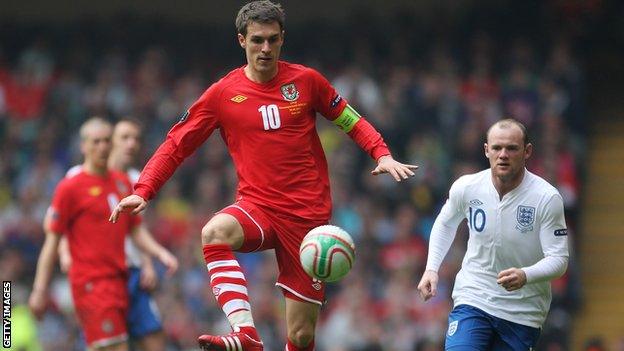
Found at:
<point>143,315</point>
<point>471,329</point>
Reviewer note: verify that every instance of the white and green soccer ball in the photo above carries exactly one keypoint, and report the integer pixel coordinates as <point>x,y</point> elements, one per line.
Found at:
<point>327,253</point>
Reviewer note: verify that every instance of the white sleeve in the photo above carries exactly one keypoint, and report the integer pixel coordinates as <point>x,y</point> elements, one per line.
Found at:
<point>444,229</point>
<point>554,240</point>
<point>548,268</point>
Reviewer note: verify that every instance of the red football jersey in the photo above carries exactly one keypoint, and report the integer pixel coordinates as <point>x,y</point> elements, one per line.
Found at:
<point>270,132</point>
<point>80,209</point>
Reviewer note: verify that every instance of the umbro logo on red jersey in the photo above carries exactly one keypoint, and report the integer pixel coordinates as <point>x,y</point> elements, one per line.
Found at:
<point>239,98</point>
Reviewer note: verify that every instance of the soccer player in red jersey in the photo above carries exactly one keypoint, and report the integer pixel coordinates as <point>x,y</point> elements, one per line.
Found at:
<point>266,113</point>
<point>143,318</point>
<point>98,273</point>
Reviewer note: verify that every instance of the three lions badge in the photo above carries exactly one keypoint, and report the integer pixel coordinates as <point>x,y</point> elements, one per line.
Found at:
<point>525,215</point>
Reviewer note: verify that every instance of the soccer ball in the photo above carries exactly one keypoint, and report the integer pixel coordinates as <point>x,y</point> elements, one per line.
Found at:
<point>327,253</point>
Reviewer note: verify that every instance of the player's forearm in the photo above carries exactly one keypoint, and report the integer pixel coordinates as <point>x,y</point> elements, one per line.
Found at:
<point>362,132</point>
<point>158,170</point>
<point>440,241</point>
<point>146,243</point>
<point>369,139</point>
<point>546,269</point>
<point>146,259</point>
<point>63,247</point>
<point>46,261</point>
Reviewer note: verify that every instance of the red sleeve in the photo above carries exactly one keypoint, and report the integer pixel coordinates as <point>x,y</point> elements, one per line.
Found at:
<point>369,139</point>
<point>183,139</point>
<point>59,212</point>
<point>326,99</point>
<point>330,104</point>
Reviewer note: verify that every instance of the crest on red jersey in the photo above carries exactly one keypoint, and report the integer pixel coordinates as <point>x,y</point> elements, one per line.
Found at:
<point>289,92</point>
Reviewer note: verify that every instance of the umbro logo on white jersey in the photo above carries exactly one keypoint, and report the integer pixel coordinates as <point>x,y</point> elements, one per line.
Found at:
<point>476,202</point>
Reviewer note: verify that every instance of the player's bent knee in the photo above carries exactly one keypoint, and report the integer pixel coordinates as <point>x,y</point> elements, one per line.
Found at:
<point>301,337</point>
<point>222,230</point>
<point>212,235</point>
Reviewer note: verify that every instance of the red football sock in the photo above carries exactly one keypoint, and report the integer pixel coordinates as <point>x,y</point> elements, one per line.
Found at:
<point>291,347</point>
<point>229,285</point>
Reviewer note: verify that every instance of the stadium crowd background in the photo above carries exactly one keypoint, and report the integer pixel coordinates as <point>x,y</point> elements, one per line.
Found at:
<point>431,87</point>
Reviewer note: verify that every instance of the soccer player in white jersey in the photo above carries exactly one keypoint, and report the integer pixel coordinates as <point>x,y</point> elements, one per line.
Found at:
<point>517,245</point>
<point>144,323</point>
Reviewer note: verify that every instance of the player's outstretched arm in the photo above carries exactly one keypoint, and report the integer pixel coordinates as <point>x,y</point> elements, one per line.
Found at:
<point>133,203</point>
<point>39,296</point>
<point>398,170</point>
<point>428,286</point>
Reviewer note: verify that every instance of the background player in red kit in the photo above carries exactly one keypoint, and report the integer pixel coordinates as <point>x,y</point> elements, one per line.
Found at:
<point>98,273</point>
<point>266,113</point>
<point>143,318</point>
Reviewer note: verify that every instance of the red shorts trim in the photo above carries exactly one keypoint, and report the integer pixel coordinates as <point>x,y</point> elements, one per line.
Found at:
<point>292,294</point>
<point>101,308</point>
<point>259,234</point>
<point>264,230</point>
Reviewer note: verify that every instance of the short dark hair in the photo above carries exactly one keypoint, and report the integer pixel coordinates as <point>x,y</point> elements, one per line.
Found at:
<point>506,123</point>
<point>263,11</point>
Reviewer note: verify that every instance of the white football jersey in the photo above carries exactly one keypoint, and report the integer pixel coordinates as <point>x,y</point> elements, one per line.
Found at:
<point>518,230</point>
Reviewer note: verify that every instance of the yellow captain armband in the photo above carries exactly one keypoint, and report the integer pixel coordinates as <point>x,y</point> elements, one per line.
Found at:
<point>347,119</point>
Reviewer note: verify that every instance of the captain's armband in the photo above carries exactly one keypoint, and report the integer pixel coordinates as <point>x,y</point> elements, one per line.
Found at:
<point>347,119</point>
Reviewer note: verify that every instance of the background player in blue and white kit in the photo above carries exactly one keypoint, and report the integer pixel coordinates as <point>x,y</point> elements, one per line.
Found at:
<point>144,322</point>
<point>517,245</point>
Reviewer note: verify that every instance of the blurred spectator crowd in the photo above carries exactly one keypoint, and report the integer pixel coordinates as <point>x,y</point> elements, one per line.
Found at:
<point>431,102</point>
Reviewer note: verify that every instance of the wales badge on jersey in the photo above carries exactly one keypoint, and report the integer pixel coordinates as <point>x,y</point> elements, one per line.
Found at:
<point>289,92</point>
<point>525,215</point>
